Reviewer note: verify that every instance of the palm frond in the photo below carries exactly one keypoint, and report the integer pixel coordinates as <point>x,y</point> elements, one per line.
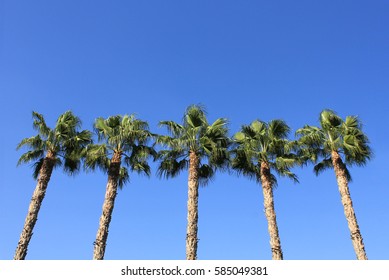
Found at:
<point>311,136</point>
<point>31,156</point>
<point>58,162</point>
<point>219,158</point>
<point>97,157</point>
<point>65,128</point>
<point>34,142</point>
<point>278,129</point>
<point>77,143</point>
<point>282,167</point>
<point>195,116</point>
<point>72,163</point>
<point>206,173</point>
<point>329,120</point>
<point>174,128</point>
<point>351,123</point>
<point>322,166</point>
<point>273,180</point>
<point>37,168</point>
<point>256,128</point>
<point>171,167</point>
<point>123,178</point>
<point>218,124</point>
<point>286,161</point>
<point>104,128</point>
<point>70,120</point>
<point>249,131</point>
<point>242,163</point>
<point>39,124</point>
<point>356,147</point>
<point>83,138</point>
<point>141,167</point>
<point>137,160</point>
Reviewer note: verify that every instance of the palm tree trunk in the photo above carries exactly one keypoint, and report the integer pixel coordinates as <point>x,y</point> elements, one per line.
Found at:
<point>270,213</point>
<point>193,197</point>
<point>341,177</point>
<point>35,204</point>
<point>108,205</point>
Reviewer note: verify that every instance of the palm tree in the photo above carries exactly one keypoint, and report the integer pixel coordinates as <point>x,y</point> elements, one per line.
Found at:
<point>124,143</point>
<point>199,147</point>
<point>259,149</point>
<point>62,146</point>
<point>338,143</point>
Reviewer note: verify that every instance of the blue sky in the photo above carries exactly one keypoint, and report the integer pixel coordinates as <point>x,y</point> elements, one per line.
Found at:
<point>242,60</point>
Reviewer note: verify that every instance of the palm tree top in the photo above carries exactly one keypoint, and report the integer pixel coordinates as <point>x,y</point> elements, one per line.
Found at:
<point>126,137</point>
<point>345,137</point>
<point>194,135</point>
<point>263,136</point>
<point>64,142</point>
<point>195,130</point>
<point>264,142</point>
<point>121,131</point>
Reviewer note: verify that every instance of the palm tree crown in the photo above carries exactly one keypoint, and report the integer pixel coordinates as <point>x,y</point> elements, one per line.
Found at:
<point>126,137</point>
<point>335,135</point>
<point>64,143</point>
<point>196,135</point>
<point>261,142</point>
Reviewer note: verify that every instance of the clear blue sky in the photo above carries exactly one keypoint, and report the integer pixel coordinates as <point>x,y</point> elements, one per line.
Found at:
<point>243,60</point>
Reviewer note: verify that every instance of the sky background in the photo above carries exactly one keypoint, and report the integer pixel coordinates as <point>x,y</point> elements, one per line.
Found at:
<point>243,60</point>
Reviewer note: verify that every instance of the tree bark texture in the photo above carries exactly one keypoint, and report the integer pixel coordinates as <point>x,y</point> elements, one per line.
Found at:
<point>193,196</point>
<point>356,236</point>
<point>35,204</point>
<point>108,205</point>
<point>275,243</point>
